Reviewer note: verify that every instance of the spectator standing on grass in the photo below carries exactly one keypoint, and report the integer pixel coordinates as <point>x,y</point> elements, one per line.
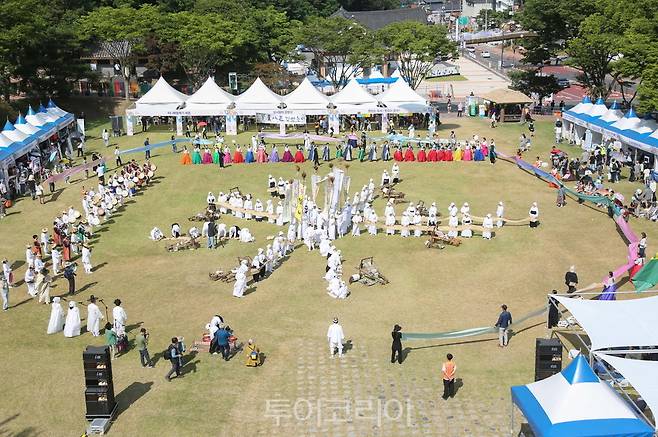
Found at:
<point>147,152</point>
<point>106,137</point>
<point>174,353</point>
<point>449,369</point>
<point>221,339</point>
<point>396,347</point>
<point>503,323</point>
<point>117,156</point>
<point>142,343</point>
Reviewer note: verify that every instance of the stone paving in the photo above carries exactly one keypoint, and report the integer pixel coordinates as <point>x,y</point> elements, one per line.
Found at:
<point>354,396</point>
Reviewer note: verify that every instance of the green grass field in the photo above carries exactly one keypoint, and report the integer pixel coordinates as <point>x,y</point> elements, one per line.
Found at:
<point>288,313</point>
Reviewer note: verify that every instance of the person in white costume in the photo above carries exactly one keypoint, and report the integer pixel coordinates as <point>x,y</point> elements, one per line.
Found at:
<point>72,324</point>
<point>356,224</point>
<point>417,221</point>
<point>500,210</point>
<point>56,322</point>
<point>487,224</point>
<point>119,318</point>
<point>86,258</point>
<point>372,225</point>
<point>390,222</point>
<point>453,222</point>
<point>335,335</point>
<point>240,279</point>
<point>156,234</point>
<point>466,222</point>
<point>431,213</point>
<point>94,317</point>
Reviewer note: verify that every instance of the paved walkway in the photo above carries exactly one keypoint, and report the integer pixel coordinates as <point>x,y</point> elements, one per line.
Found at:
<point>479,80</point>
<point>355,396</point>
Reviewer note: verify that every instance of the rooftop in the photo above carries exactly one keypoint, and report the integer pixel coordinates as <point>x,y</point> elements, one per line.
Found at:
<point>377,19</point>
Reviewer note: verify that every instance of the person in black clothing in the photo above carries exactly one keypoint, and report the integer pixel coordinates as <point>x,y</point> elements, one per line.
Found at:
<point>553,312</point>
<point>396,347</point>
<point>571,279</point>
<point>174,353</point>
<point>69,274</point>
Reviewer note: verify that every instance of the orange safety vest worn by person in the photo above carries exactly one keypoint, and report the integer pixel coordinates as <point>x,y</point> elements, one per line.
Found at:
<point>449,369</point>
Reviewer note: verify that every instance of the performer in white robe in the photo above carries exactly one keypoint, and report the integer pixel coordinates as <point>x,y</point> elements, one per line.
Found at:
<point>56,258</point>
<point>334,261</point>
<point>325,245</point>
<point>56,322</point>
<point>386,179</point>
<point>239,203</point>
<point>269,208</point>
<point>337,289</point>
<point>331,227</point>
<point>534,215</point>
<point>412,131</point>
<point>222,199</point>
<point>30,278</point>
<point>500,211</point>
<point>390,209</point>
<point>417,221</point>
<point>119,318</point>
<point>453,222</point>
<point>309,236</point>
<point>210,198</point>
<point>258,207</point>
<point>42,284</point>
<point>45,240</point>
<point>245,236</point>
<point>291,236</point>
<point>395,173</point>
<point>156,234</point>
<point>335,336</point>
<point>372,225</point>
<point>72,324</point>
<point>175,230</point>
<point>194,232</point>
<point>240,279</point>
<point>29,255</point>
<point>487,224</point>
<point>94,317</point>
<point>248,204</point>
<point>432,212</point>
<point>390,222</point>
<point>405,222</point>
<point>356,224</point>
<point>279,214</point>
<point>270,261</point>
<point>86,259</point>
<point>465,209</point>
<point>466,222</point>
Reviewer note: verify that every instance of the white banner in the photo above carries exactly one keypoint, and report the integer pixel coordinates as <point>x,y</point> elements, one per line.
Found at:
<point>231,124</point>
<point>179,125</point>
<point>81,125</point>
<point>130,125</point>
<point>281,117</point>
<point>384,123</point>
<point>334,121</point>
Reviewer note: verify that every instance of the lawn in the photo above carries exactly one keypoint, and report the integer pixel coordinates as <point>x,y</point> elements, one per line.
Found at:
<point>288,313</point>
<point>453,78</point>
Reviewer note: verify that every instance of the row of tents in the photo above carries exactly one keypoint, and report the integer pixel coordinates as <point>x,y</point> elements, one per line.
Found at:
<point>603,123</point>
<point>212,100</point>
<point>27,132</point>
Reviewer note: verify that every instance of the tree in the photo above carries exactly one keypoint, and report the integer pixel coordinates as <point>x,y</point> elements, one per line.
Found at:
<point>415,47</point>
<point>494,18</point>
<point>534,82</point>
<point>122,33</point>
<point>340,47</point>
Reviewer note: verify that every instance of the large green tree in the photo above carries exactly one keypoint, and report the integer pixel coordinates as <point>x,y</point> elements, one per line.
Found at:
<point>122,33</point>
<point>341,48</point>
<point>415,47</point>
<point>534,82</point>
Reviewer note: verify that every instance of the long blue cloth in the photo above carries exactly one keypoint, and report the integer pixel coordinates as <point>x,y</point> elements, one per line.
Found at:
<point>164,144</point>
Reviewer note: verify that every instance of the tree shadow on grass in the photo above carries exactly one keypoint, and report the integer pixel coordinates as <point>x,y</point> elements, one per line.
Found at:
<point>132,394</point>
<point>55,195</point>
<point>17,264</point>
<point>29,431</point>
<point>99,266</point>
<point>86,287</point>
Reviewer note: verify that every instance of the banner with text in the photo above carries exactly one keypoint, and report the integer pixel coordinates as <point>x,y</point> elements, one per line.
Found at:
<point>281,117</point>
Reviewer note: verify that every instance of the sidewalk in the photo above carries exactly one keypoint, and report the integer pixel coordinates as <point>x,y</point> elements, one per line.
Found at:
<point>479,80</point>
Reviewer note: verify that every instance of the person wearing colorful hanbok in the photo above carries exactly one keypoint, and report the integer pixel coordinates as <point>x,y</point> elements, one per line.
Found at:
<point>609,288</point>
<point>207,157</point>
<point>372,152</point>
<point>422,155</point>
<point>196,156</point>
<point>386,151</point>
<point>274,155</point>
<point>186,159</point>
<point>433,155</point>
<point>261,156</point>
<point>215,155</point>
<point>238,158</point>
<point>409,154</point>
<point>299,155</point>
<point>249,158</point>
<point>457,154</point>
<point>339,151</point>
<point>397,155</point>
<point>492,152</point>
<point>448,155</point>
<point>478,156</point>
<point>287,156</point>
<point>326,153</point>
<point>485,148</point>
<point>227,155</point>
<point>468,155</point>
<point>441,154</point>
<point>361,154</point>
<point>347,153</point>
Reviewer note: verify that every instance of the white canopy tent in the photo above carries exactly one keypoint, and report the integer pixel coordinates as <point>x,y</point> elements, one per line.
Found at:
<point>634,321</point>
<point>308,99</point>
<point>641,374</point>
<point>22,125</point>
<point>630,121</point>
<point>582,107</point>
<point>4,141</point>
<point>354,99</point>
<point>257,98</point>
<point>210,99</point>
<point>162,99</point>
<point>613,114</point>
<point>598,109</point>
<point>401,95</point>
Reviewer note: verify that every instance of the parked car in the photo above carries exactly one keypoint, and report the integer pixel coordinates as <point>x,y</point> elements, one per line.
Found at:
<point>564,82</point>
<point>470,49</point>
<point>485,54</point>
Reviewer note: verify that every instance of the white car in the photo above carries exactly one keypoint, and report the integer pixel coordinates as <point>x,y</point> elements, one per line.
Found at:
<point>485,54</point>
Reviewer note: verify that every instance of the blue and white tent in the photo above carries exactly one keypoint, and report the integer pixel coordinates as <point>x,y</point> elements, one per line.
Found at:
<point>576,403</point>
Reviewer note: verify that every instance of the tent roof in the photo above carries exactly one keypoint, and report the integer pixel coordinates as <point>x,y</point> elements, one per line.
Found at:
<point>4,141</point>
<point>576,403</point>
<point>641,374</point>
<point>306,96</point>
<point>506,95</point>
<point>258,95</point>
<point>401,92</point>
<point>635,319</point>
<point>598,109</point>
<point>353,94</point>
<point>630,121</point>
<point>375,74</point>
<point>211,93</point>
<point>162,93</point>
<point>582,107</point>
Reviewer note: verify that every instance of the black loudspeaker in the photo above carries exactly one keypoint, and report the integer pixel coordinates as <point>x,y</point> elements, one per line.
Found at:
<point>99,388</point>
<point>548,358</point>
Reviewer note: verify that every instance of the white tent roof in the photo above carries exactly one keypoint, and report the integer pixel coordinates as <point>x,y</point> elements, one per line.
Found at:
<point>641,374</point>
<point>613,114</point>
<point>616,323</point>
<point>375,74</point>
<point>162,93</point>
<point>4,141</point>
<point>401,92</point>
<point>396,73</point>
<point>654,135</point>
<point>582,107</point>
<point>646,126</point>
<point>598,109</point>
<point>22,125</point>
<point>353,94</point>
<point>630,121</point>
<point>13,134</point>
<point>211,94</point>
<point>258,97</point>
<point>306,97</point>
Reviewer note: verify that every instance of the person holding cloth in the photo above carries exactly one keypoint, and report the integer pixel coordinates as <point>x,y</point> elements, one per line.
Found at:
<point>503,323</point>
<point>396,347</point>
<point>448,370</point>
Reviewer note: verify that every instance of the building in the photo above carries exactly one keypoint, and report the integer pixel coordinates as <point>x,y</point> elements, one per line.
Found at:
<point>374,20</point>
